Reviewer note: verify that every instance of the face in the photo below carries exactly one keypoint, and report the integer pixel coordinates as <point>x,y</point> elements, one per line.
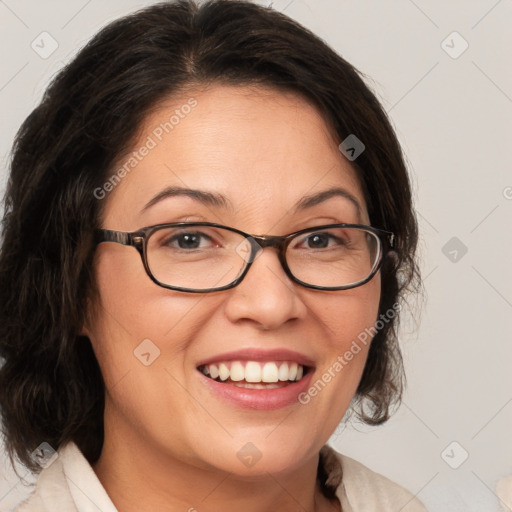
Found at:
<point>264,151</point>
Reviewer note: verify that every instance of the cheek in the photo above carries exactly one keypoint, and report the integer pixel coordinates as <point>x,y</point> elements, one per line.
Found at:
<point>347,314</point>
<point>140,335</point>
<point>134,316</point>
<point>134,305</point>
<point>349,319</point>
<point>346,318</point>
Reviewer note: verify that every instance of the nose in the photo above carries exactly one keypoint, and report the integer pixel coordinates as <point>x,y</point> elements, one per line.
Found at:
<point>266,296</point>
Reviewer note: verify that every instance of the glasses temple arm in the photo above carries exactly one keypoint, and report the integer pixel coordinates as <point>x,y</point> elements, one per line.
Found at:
<point>119,237</point>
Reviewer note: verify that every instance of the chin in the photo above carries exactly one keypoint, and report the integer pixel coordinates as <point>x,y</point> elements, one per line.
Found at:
<point>257,458</point>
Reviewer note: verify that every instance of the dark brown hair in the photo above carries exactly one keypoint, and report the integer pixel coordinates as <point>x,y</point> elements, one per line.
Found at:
<point>51,388</point>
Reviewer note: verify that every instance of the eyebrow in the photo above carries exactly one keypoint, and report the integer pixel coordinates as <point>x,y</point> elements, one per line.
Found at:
<point>315,199</point>
<point>203,196</point>
<point>220,201</point>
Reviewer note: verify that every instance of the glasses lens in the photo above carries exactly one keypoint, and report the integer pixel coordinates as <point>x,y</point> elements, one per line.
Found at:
<point>334,257</point>
<point>196,257</point>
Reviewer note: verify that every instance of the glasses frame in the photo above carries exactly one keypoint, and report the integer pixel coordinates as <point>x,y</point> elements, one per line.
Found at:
<point>139,240</point>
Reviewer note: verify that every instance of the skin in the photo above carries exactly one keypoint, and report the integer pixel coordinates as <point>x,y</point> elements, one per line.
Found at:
<point>170,444</point>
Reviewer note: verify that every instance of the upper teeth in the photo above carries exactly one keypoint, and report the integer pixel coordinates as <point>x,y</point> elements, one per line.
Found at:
<point>253,371</point>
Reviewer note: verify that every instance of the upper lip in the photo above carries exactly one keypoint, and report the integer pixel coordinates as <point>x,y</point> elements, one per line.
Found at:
<point>254,354</point>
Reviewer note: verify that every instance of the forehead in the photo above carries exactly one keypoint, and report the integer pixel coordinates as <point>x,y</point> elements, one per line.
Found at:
<point>261,148</point>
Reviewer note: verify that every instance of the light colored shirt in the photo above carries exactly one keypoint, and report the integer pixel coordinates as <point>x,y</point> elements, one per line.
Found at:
<point>70,484</point>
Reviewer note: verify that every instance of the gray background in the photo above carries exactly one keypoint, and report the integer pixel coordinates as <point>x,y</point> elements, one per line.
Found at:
<point>452,112</point>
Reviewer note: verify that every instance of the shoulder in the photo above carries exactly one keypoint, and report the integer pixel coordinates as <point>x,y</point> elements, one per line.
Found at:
<point>504,492</point>
<point>361,489</point>
<point>68,484</point>
<point>51,491</point>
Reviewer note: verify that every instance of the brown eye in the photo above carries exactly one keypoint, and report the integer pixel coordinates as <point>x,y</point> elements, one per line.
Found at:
<point>318,241</point>
<point>189,240</point>
<point>321,240</point>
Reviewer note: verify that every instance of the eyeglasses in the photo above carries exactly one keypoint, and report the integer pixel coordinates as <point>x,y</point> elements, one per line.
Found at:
<point>204,257</point>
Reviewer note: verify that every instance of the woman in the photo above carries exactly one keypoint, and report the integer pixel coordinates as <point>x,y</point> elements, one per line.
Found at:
<point>208,232</point>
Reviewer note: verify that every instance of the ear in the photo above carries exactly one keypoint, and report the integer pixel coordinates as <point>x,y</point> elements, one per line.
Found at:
<point>84,331</point>
<point>393,255</point>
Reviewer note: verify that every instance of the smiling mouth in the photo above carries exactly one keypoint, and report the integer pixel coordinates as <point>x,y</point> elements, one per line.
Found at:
<point>255,374</point>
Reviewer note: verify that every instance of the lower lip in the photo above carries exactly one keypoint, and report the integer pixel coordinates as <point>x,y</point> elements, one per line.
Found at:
<point>260,399</point>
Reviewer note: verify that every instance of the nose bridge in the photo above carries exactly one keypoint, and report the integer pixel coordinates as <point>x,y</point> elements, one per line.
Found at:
<point>258,243</point>
<point>265,296</point>
<point>268,241</point>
